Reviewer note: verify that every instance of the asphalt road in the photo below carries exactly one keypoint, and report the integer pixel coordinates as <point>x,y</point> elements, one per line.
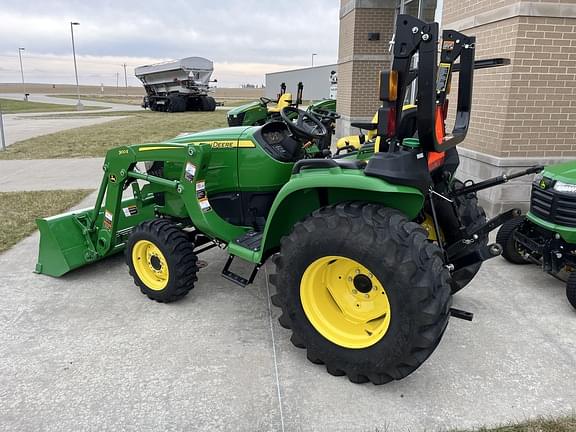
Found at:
<point>89,352</point>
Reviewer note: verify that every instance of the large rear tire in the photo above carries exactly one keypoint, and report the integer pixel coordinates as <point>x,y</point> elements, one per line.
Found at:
<point>208,103</point>
<point>176,103</point>
<point>363,290</point>
<point>472,215</point>
<point>505,237</point>
<point>161,260</point>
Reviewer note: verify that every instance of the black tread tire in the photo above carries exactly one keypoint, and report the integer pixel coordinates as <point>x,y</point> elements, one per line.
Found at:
<point>505,238</point>
<point>415,278</point>
<point>472,216</point>
<point>571,289</point>
<point>179,254</point>
<point>207,103</point>
<point>176,103</point>
<point>211,103</point>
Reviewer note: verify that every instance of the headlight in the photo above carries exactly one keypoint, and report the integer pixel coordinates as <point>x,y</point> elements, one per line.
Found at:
<point>565,187</point>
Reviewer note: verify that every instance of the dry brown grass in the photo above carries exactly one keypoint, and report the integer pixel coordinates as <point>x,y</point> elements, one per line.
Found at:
<point>543,424</point>
<point>20,210</point>
<point>94,141</point>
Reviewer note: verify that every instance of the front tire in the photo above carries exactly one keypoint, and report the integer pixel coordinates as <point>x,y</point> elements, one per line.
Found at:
<point>571,289</point>
<point>363,290</point>
<point>505,238</point>
<point>161,260</point>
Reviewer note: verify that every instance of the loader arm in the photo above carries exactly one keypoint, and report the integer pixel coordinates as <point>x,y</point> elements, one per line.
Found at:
<point>77,238</point>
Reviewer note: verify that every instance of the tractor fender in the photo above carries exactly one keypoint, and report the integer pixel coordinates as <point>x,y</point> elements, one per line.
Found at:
<point>311,189</point>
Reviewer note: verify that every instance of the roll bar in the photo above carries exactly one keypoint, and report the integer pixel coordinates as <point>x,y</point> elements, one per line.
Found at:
<point>415,36</point>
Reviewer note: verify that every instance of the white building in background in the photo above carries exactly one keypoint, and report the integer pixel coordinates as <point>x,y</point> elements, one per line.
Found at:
<point>319,82</point>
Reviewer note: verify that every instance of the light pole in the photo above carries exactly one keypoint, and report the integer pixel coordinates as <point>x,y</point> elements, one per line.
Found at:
<point>22,73</point>
<point>79,105</point>
<point>313,58</point>
<point>125,79</point>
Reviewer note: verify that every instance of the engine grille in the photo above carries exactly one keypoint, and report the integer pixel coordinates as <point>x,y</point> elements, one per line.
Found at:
<point>237,120</point>
<point>552,206</point>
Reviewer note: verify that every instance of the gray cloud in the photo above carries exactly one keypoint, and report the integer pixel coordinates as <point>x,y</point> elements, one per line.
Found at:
<point>226,31</point>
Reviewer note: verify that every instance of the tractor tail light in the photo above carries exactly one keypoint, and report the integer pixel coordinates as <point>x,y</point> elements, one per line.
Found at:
<point>391,127</point>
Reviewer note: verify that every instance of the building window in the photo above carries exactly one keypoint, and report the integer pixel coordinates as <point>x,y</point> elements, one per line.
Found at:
<point>426,10</point>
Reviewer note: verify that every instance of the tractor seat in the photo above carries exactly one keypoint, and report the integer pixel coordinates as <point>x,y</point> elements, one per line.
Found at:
<point>283,101</point>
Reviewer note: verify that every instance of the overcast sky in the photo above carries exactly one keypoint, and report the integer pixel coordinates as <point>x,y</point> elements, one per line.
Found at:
<point>244,38</point>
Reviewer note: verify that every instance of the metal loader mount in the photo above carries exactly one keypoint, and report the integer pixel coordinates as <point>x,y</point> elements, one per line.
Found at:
<point>179,85</point>
<point>369,246</point>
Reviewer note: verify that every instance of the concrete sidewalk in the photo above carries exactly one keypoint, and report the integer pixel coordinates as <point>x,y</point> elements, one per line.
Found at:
<point>89,352</point>
<point>107,106</point>
<point>50,174</point>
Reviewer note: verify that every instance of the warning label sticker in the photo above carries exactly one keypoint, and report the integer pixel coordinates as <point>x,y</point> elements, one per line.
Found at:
<point>448,45</point>
<point>201,189</point>
<point>204,204</point>
<point>131,210</point>
<point>190,171</point>
<point>108,219</point>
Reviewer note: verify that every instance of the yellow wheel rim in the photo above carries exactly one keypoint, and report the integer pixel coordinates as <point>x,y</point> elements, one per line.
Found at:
<point>150,265</point>
<point>345,302</point>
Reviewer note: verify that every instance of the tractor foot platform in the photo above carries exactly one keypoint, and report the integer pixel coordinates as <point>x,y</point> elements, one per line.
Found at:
<point>251,240</point>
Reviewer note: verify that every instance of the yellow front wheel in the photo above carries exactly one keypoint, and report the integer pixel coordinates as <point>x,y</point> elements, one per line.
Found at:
<point>150,265</point>
<point>161,260</point>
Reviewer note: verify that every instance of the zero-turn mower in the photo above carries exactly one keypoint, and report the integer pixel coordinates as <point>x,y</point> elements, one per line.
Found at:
<point>368,246</point>
<point>546,236</point>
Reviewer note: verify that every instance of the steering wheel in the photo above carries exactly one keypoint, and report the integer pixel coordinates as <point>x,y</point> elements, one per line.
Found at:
<point>302,124</point>
<point>265,101</point>
<point>325,114</point>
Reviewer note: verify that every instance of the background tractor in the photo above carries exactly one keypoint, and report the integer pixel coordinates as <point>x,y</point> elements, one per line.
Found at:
<point>264,110</point>
<point>546,236</point>
<point>368,246</point>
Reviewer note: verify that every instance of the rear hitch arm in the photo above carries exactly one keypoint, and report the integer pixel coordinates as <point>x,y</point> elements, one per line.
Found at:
<point>457,252</point>
<point>496,221</point>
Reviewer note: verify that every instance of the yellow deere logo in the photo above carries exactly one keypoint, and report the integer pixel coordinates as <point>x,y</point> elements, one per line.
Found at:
<point>542,184</point>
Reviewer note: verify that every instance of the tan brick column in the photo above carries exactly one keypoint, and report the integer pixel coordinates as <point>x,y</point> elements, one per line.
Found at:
<point>360,59</point>
<point>524,113</point>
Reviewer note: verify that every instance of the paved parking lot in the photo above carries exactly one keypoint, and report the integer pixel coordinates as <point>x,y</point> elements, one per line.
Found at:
<point>89,352</point>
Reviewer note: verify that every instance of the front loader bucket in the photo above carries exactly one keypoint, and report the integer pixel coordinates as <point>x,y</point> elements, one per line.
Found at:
<point>67,241</point>
<point>63,246</point>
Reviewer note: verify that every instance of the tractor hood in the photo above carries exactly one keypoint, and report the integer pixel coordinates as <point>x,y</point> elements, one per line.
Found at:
<point>243,108</point>
<point>565,172</point>
<point>223,134</point>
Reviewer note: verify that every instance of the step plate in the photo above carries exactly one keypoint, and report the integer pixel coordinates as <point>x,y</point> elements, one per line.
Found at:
<point>251,240</point>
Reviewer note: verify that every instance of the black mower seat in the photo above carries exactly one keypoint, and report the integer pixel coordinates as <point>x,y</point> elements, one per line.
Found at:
<point>327,163</point>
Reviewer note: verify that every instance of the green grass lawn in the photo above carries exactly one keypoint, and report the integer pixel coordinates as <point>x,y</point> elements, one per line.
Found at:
<point>9,106</point>
<point>94,141</point>
<point>19,211</point>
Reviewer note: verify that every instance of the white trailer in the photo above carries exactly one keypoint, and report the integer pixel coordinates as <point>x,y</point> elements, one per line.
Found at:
<point>178,85</point>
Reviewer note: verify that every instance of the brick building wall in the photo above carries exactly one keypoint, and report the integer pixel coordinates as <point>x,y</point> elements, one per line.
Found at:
<point>522,114</point>
<point>360,60</point>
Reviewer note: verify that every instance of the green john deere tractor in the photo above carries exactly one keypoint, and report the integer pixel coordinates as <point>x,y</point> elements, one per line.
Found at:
<point>368,246</point>
<point>264,110</point>
<point>546,236</point>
